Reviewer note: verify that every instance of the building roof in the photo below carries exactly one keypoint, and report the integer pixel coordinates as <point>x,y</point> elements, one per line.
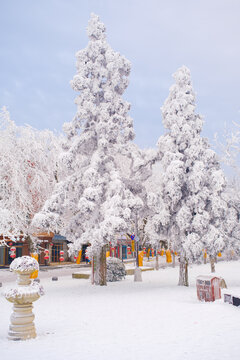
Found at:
<point>59,237</point>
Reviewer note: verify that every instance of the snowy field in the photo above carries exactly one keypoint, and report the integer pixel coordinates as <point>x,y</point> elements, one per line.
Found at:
<point>154,319</point>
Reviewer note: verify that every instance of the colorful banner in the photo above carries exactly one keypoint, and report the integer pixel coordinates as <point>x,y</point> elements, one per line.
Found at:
<point>140,258</point>
<point>133,245</point>
<point>168,256</point>
<point>34,274</point>
<point>79,257</point>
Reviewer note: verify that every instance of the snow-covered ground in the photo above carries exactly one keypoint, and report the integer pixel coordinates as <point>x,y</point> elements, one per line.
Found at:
<point>154,319</point>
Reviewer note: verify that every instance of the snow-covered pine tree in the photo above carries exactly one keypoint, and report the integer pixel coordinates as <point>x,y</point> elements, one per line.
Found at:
<point>190,209</point>
<point>92,205</point>
<point>28,160</point>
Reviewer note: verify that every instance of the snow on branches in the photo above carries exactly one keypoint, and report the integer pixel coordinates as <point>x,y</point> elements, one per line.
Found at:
<point>28,160</point>
<point>92,204</point>
<point>189,210</point>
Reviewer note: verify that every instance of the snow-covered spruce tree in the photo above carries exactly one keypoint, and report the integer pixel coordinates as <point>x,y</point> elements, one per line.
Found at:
<point>190,211</point>
<point>28,160</point>
<point>92,205</point>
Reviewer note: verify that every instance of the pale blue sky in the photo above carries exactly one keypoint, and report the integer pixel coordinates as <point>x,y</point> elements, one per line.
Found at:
<point>39,40</point>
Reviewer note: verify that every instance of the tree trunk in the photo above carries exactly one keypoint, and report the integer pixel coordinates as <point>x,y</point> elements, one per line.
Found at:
<point>204,256</point>
<point>212,262</point>
<point>157,262</point>
<point>174,260</point>
<point>99,268</point>
<point>103,267</point>
<point>183,272</point>
<point>186,273</point>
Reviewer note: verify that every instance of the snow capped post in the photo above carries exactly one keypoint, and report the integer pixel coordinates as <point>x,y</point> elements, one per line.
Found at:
<point>91,205</point>
<point>191,211</point>
<point>22,326</point>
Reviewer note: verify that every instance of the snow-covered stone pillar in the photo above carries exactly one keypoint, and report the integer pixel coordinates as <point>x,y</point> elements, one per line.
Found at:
<point>22,296</point>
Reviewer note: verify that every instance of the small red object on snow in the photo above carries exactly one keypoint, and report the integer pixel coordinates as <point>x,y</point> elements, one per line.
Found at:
<point>13,255</point>
<point>61,252</point>
<point>61,258</point>
<point>46,251</point>
<point>208,288</point>
<point>13,248</point>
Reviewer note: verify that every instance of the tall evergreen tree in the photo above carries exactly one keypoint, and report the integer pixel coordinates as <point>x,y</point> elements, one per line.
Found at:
<point>189,207</point>
<point>92,205</point>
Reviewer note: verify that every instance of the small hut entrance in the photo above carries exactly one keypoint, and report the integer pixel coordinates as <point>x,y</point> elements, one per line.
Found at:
<point>56,248</point>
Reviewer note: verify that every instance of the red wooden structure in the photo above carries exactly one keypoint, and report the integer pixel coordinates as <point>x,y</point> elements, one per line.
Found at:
<point>208,288</point>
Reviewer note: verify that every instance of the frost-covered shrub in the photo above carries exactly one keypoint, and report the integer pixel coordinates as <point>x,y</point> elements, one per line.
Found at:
<point>115,269</point>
